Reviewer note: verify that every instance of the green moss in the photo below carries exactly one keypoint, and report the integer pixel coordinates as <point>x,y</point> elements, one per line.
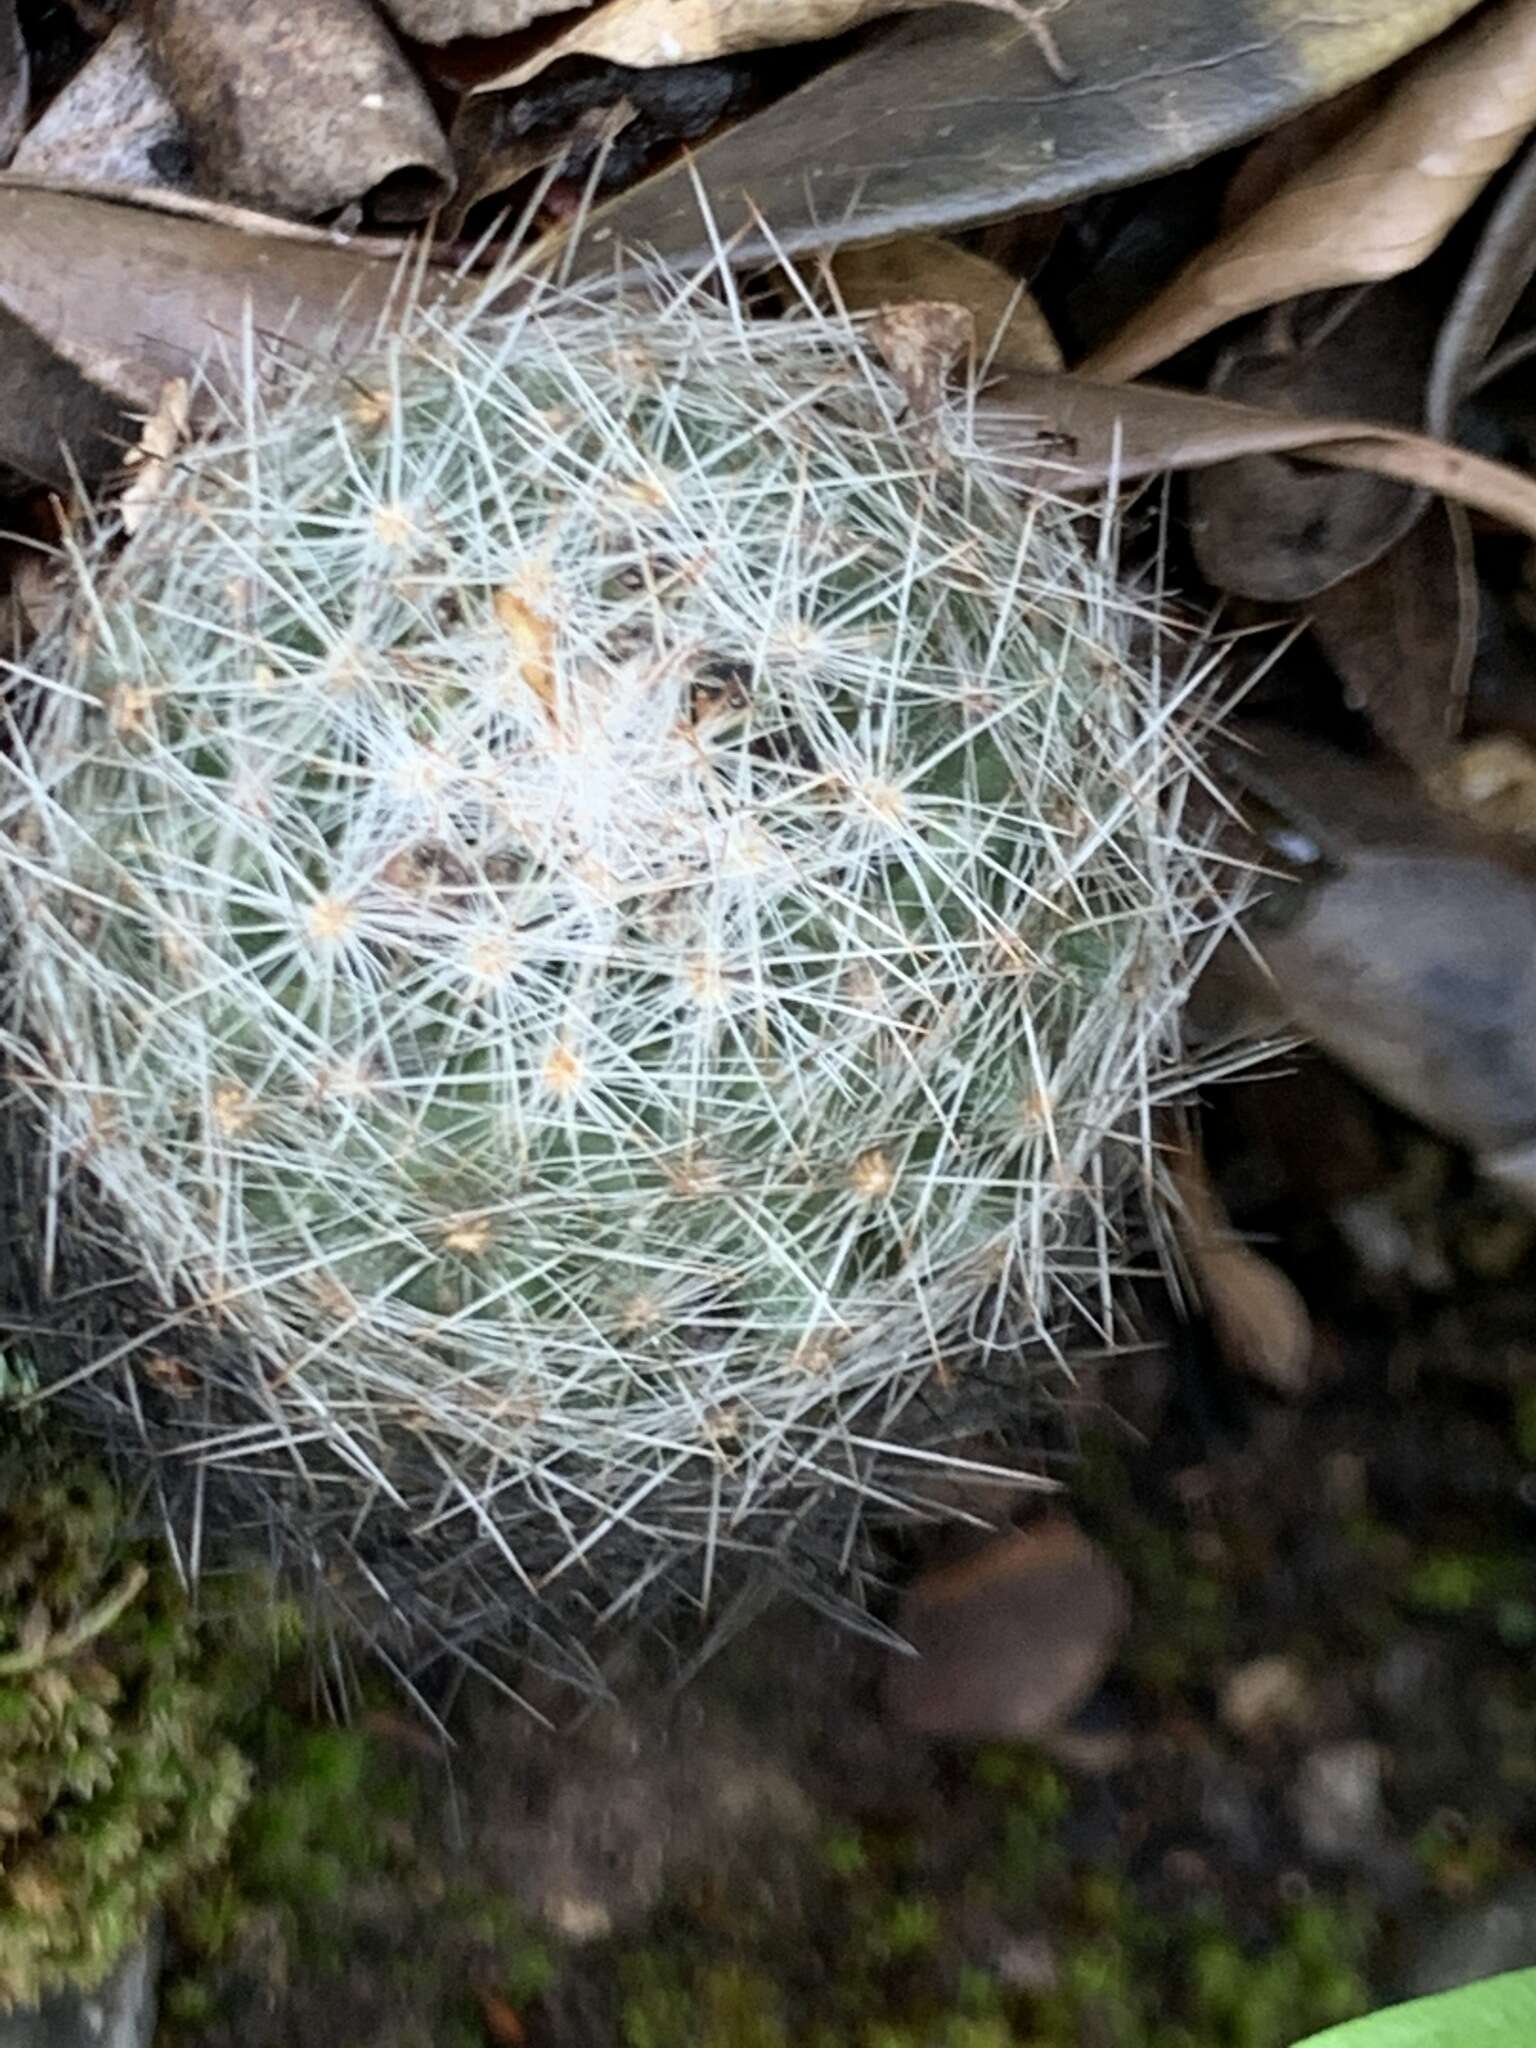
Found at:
<point>525,1965</point>
<point>869,1940</point>
<point>1462,1859</point>
<point>668,2004</point>
<point>1184,1613</point>
<point>843,1853</point>
<point>964,2032</point>
<point>899,1929</point>
<point>313,1829</point>
<point>1311,1976</point>
<point>1127,1977</point>
<point>189,2002</point>
<point>1462,1582</point>
<point>1523,1420</point>
<point>1035,1800</point>
<point>318,1826</point>
<point>871,1953</point>
<point>118,1784</point>
<point>1190,1983</point>
<point>335,1832</point>
<point>957,2031</point>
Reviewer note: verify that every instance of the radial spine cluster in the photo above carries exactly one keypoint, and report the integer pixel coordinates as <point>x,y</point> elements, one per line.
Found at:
<point>593,926</point>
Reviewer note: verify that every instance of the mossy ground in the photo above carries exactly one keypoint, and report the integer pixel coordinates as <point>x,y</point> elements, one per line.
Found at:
<point>1006,1898</point>
<point>331,1901</point>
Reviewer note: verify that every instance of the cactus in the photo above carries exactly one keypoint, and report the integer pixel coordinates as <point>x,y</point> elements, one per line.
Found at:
<point>593,924</point>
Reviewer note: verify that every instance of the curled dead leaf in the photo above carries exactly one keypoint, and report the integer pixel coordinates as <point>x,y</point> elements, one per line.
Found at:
<point>1280,531</point>
<point>645,34</point>
<point>444,21</point>
<point>1411,956</point>
<point>327,109</point>
<point>1011,331</point>
<point>491,153</point>
<point>1373,206</point>
<point>56,427</point>
<point>1489,290</point>
<point>149,462</point>
<point>1401,635</point>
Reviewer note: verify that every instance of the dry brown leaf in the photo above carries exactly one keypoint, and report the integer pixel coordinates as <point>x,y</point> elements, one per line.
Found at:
<point>444,21</point>
<point>1011,331</point>
<point>113,124</point>
<point>1288,151</point>
<point>646,33</point>
<point>532,634</point>
<point>1373,206</point>
<point>1410,958</point>
<point>1343,805</point>
<point>491,156</point>
<point>1281,531</point>
<point>326,108</point>
<point>14,76</point>
<point>1258,1317</point>
<point>1487,293</point>
<point>921,341</point>
<point>1401,635</point>
<point>949,117</point>
<point>149,463</point>
<point>503,2023</point>
<point>56,426</point>
<point>1417,970</point>
<point>1070,431</point>
<point>132,289</point>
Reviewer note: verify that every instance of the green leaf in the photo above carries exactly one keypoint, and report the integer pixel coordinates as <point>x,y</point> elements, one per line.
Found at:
<point>1498,2013</point>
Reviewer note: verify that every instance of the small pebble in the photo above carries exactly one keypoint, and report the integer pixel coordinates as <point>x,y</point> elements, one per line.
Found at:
<point>1270,1695</point>
<point>1336,1800</point>
<point>1027,1963</point>
<point>579,1919</point>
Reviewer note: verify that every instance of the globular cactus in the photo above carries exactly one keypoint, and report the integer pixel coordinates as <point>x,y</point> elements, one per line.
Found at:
<point>593,923</point>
